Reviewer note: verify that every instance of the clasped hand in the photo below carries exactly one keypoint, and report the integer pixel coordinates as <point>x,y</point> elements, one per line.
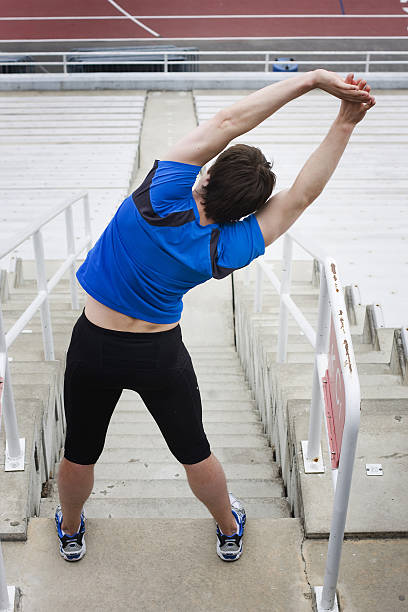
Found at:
<point>355,94</point>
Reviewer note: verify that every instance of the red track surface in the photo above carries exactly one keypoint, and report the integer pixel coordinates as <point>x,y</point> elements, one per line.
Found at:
<point>201,28</point>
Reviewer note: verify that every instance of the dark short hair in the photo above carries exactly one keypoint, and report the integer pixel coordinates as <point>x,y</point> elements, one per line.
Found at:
<point>240,182</point>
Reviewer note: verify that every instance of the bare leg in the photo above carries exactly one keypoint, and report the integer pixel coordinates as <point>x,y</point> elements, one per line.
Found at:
<point>75,483</point>
<point>208,483</point>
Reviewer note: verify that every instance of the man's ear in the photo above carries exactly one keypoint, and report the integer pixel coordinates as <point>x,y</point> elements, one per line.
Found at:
<point>206,179</point>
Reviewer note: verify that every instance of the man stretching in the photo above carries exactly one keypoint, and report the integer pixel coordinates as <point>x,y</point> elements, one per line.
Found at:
<point>164,239</point>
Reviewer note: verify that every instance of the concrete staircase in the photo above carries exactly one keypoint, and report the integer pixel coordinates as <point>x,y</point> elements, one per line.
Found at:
<point>141,489</point>
<point>137,476</point>
<point>283,394</point>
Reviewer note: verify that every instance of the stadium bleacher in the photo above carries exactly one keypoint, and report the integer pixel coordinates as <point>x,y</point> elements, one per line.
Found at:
<point>55,145</point>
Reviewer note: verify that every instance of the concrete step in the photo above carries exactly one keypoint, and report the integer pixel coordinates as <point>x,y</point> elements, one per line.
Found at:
<point>20,297</point>
<point>366,380</point>
<point>29,287</point>
<point>166,507</point>
<point>241,455</point>
<point>269,293</point>
<point>255,440</point>
<point>141,470</point>
<point>61,306</point>
<point>209,406</point>
<point>31,391</point>
<point>224,419</point>
<point>34,353</point>
<point>208,387</point>
<point>33,342</point>
<point>65,322</point>
<point>293,370</point>
<point>377,504</point>
<point>215,393</point>
<point>161,564</point>
<point>151,428</point>
<point>21,490</point>
<point>116,488</point>
<point>32,368</point>
<point>298,343</point>
<point>373,392</point>
<point>373,357</point>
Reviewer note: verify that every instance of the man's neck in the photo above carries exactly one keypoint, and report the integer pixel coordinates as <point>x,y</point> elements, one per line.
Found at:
<point>204,220</point>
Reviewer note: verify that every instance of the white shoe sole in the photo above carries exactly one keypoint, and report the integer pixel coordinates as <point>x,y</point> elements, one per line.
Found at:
<point>71,559</point>
<point>220,554</point>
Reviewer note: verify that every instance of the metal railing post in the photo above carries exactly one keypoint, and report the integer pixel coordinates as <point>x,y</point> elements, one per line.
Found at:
<point>258,288</point>
<point>339,516</point>
<point>64,64</point>
<point>45,306</point>
<point>322,347</point>
<point>367,64</point>
<point>284,290</point>
<point>87,219</point>
<point>266,62</point>
<point>15,446</point>
<point>69,225</point>
<point>4,598</point>
<point>166,62</point>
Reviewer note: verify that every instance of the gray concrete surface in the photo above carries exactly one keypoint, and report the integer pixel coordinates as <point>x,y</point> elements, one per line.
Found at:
<point>373,573</point>
<point>169,82</point>
<point>152,565</point>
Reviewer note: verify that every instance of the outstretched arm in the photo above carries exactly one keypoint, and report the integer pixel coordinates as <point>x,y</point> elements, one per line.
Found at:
<point>285,207</point>
<point>212,136</point>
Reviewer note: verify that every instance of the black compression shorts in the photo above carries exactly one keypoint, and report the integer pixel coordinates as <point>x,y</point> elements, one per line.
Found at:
<point>102,362</point>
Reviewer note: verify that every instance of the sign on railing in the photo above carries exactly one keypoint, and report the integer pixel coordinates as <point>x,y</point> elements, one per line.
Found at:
<point>334,399</point>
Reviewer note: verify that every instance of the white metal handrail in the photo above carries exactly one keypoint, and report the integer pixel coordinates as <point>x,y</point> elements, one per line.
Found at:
<point>15,446</point>
<point>14,451</point>
<point>332,308</point>
<point>164,58</point>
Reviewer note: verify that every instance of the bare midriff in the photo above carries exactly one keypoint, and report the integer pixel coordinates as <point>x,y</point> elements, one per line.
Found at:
<point>102,316</point>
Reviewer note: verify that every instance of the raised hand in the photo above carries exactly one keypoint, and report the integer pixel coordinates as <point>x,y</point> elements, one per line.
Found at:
<point>345,89</point>
<point>353,112</point>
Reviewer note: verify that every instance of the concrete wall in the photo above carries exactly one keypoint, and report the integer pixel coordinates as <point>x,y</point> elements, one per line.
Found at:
<point>170,81</point>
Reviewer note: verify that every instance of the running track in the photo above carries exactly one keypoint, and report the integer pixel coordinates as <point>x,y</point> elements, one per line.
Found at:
<point>204,19</point>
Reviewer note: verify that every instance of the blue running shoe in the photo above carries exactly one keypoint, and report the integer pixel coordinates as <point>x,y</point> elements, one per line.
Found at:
<point>229,547</point>
<point>72,547</point>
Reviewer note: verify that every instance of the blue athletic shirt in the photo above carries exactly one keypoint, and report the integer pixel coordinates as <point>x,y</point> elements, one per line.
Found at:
<point>154,249</point>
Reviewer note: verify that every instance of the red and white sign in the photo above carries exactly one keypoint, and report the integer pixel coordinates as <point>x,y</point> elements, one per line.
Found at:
<point>334,399</point>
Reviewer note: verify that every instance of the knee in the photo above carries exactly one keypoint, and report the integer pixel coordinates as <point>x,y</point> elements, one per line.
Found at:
<point>76,467</point>
<point>203,463</point>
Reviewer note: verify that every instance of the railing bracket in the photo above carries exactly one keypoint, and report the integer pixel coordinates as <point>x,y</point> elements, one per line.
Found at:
<point>312,466</point>
<point>317,592</point>
<point>15,464</point>
<point>374,469</point>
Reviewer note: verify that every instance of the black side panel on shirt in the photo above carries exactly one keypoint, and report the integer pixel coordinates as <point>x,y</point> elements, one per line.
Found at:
<point>141,198</point>
<point>218,271</point>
